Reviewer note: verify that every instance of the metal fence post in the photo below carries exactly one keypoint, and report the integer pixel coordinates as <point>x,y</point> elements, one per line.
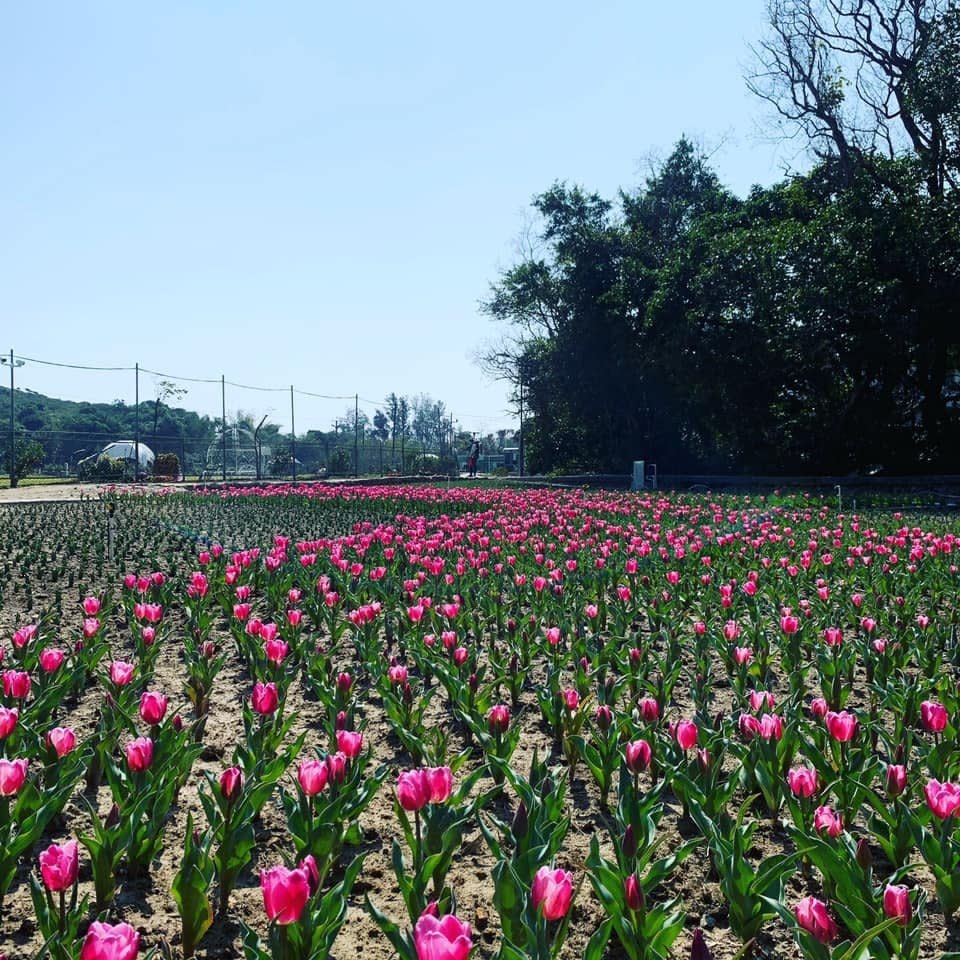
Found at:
<point>223,422</point>
<point>293,437</point>
<point>136,401</point>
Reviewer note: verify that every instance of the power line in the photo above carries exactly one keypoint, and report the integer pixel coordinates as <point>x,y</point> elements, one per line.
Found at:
<point>70,366</point>
<point>170,376</point>
<point>246,386</point>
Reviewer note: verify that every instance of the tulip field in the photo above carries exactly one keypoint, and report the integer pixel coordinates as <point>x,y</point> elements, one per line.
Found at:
<point>302,722</point>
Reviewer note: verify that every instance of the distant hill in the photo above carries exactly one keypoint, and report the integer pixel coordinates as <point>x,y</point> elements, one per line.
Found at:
<point>68,429</point>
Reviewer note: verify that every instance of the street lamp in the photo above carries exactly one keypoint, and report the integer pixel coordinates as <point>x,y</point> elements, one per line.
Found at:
<point>12,363</point>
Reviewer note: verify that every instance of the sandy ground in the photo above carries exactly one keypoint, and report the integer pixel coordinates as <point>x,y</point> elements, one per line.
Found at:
<point>50,492</point>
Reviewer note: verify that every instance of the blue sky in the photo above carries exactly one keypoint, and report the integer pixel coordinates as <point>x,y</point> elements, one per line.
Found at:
<point>319,194</point>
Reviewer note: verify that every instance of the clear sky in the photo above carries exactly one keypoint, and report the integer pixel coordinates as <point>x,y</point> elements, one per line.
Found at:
<point>319,194</point>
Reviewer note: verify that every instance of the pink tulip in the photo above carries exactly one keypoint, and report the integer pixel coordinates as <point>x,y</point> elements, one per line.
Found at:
<point>110,942</point>
<point>91,606</point>
<point>441,784</point>
<point>58,866</point>
<point>896,779</point>
<point>62,739</point>
<point>812,915</point>
<point>649,709</point>
<point>91,625</point>
<point>896,903</point>
<point>8,720</point>
<point>638,756</point>
<point>685,733</point>
<point>553,636</point>
<point>285,892</point>
<point>231,783</point>
<point>312,776</point>
<point>551,892</point>
<point>943,799</point>
<point>571,699</point>
<point>413,789</point>
<point>51,659</point>
<point>442,938</point>
<point>802,781</point>
<point>336,767</point>
<point>731,631</point>
<point>498,719</point>
<point>833,636</point>
<point>13,775</point>
<point>771,727</point>
<point>153,707</point>
<point>789,624</point>
<point>828,822</point>
<point>349,743</point>
<point>121,673</point>
<point>841,726</point>
<point>139,754</point>
<point>819,707</point>
<point>275,650</point>
<point>762,699</point>
<point>933,716</point>
<point>748,725</point>
<point>24,635</point>
<point>265,698</point>
<point>742,655</point>
<point>16,684</point>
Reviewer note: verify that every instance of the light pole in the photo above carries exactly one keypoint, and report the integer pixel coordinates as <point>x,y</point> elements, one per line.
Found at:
<point>13,454</point>
<point>520,451</point>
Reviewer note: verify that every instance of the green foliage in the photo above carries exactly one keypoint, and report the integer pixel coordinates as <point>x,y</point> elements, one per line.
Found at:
<point>166,465</point>
<point>807,328</point>
<point>27,456</point>
<point>104,468</point>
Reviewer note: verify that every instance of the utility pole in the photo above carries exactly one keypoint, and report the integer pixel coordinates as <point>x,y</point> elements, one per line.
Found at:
<point>136,401</point>
<point>520,466</point>
<point>356,434</point>
<point>293,437</point>
<point>13,445</point>
<point>223,423</point>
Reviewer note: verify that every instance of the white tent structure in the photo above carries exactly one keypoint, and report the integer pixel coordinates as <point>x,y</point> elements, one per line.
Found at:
<point>127,450</point>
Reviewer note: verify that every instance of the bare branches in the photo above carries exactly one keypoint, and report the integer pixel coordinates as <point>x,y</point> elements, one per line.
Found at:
<point>845,73</point>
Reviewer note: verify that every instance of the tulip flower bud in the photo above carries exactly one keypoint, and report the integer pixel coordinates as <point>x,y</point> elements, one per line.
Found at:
<point>864,856</point>
<point>699,950</point>
<point>604,717</point>
<point>474,683</point>
<point>896,903</point>
<point>633,893</point>
<point>520,822</point>
<point>407,693</point>
<point>113,818</point>
<point>896,779</point>
<point>341,721</point>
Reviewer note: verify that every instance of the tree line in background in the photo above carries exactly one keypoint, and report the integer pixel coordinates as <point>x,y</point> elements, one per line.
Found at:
<point>810,327</point>
<point>409,434</point>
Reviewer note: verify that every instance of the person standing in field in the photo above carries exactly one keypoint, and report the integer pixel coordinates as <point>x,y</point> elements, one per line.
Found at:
<point>473,457</point>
